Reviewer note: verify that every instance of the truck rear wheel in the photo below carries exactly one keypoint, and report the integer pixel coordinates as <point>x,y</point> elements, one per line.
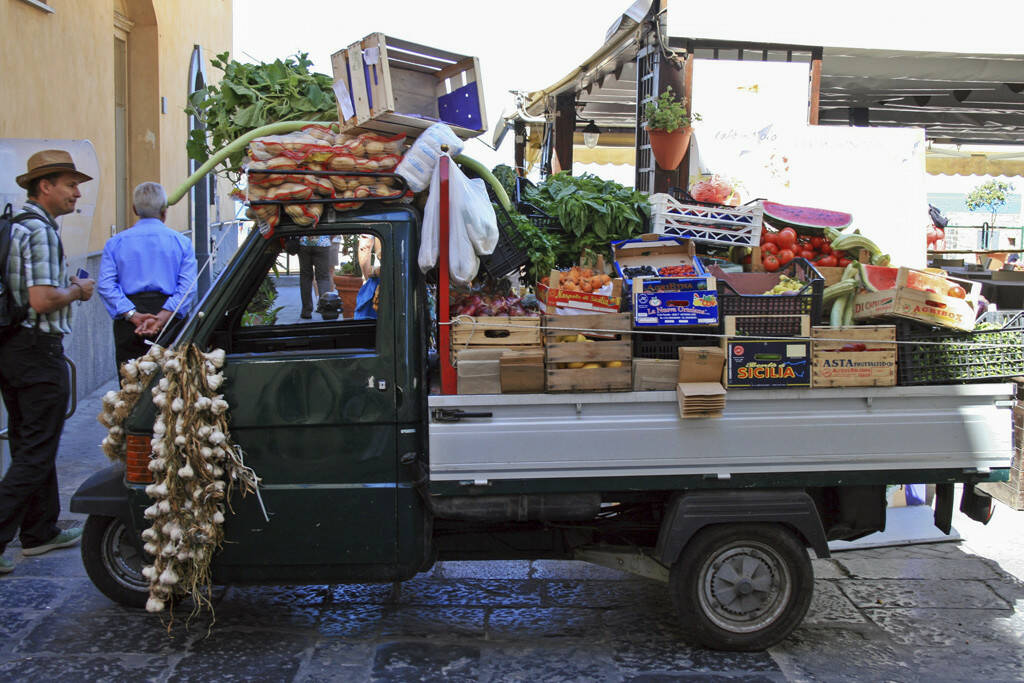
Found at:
<point>113,561</point>
<point>742,586</point>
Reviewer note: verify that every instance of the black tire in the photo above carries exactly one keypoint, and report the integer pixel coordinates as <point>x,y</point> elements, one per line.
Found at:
<point>113,560</point>
<point>742,587</point>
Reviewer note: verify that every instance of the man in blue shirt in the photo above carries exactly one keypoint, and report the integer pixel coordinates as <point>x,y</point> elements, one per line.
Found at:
<point>147,276</point>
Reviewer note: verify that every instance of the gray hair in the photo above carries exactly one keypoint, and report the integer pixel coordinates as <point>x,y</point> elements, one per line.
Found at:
<point>149,200</point>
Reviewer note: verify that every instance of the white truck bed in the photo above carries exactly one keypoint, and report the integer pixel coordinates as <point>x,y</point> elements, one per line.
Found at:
<point>965,427</point>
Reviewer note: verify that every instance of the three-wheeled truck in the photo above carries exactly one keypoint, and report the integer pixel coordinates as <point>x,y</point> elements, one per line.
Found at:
<point>369,474</point>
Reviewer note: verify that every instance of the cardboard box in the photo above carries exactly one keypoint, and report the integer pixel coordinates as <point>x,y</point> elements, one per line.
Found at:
<point>391,86</point>
<point>674,302</point>
<point>768,364</point>
<point>700,392</point>
<point>479,370</point>
<point>495,331</point>
<point>863,356</point>
<point>700,399</point>
<point>909,299</point>
<point>555,301</point>
<point>701,363</point>
<point>522,371</point>
<point>656,252</point>
<point>655,374</point>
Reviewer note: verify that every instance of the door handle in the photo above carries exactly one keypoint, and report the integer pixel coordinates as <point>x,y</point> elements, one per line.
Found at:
<point>455,414</point>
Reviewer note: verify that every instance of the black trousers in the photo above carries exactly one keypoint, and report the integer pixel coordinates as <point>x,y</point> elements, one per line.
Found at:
<point>314,264</point>
<point>127,344</point>
<point>34,382</point>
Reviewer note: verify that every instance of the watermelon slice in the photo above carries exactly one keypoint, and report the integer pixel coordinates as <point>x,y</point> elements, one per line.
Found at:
<point>804,217</point>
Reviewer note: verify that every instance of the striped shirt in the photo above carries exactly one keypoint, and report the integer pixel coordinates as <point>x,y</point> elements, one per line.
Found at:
<point>35,260</point>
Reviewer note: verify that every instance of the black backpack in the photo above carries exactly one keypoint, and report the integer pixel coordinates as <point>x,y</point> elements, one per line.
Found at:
<point>11,313</point>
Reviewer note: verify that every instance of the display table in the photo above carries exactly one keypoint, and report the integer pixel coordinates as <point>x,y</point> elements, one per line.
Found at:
<point>1007,294</point>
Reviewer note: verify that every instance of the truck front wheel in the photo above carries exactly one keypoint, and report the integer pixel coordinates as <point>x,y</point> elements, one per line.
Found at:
<point>113,561</point>
<point>742,586</point>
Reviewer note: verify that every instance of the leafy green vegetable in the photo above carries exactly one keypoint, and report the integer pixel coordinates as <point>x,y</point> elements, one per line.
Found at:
<point>506,175</point>
<point>253,95</point>
<point>594,212</point>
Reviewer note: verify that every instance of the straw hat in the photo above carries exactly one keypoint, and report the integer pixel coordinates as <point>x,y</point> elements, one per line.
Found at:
<point>50,161</point>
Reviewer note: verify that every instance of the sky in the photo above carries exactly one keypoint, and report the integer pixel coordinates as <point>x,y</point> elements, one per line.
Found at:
<point>522,45</point>
<point>531,44</point>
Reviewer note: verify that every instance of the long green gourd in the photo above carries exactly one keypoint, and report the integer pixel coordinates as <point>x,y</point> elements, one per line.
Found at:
<point>283,127</point>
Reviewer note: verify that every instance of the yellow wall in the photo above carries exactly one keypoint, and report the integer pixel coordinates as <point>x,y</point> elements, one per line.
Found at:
<point>58,83</point>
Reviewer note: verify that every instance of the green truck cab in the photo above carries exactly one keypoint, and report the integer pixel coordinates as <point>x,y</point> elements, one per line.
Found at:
<point>369,475</point>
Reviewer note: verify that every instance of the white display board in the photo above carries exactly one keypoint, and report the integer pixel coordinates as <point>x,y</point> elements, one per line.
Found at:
<point>751,135</point>
<point>75,227</point>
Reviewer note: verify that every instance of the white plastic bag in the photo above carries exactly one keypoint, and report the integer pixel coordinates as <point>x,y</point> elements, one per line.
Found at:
<point>430,234</point>
<point>419,162</point>
<point>472,228</point>
<point>469,200</point>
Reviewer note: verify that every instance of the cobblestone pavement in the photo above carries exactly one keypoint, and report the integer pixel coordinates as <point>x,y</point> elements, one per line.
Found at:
<point>937,612</point>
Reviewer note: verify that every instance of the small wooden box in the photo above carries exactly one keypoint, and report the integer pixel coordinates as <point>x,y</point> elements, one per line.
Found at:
<point>655,374</point>
<point>479,370</point>
<point>391,86</point>
<point>495,331</point>
<point>611,344</point>
<point>522,371</point>
<point>875,366</point>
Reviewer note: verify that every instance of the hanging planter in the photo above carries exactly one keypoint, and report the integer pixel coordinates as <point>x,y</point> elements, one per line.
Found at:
<point>668,128</point>
<point>669,148</point>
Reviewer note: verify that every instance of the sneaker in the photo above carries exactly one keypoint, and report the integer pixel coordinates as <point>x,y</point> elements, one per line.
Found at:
<point>64,539</point>
<point>305,315</point>
<point>6,566</point>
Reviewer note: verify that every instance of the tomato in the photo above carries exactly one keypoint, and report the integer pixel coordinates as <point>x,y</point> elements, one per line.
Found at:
<point>826,248</point>
<point>770,248</point>
<point>770,263</point>
<point>957,292</point>
<point>828,261</point>
<point>767,237</point>
<point>807,254</point>
<point>816,242</point>
<point>843,262</point>
<point>785,256</point>
<point>786,238</point>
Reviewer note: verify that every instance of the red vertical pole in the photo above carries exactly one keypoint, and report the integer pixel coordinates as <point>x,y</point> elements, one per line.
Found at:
<point>449,380</point>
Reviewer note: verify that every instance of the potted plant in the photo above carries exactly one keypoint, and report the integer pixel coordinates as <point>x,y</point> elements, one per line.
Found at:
<point>668,127</point>
<point>347,277</point>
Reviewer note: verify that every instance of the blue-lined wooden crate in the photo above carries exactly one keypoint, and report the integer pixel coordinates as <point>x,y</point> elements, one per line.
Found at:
<point>388,85</point>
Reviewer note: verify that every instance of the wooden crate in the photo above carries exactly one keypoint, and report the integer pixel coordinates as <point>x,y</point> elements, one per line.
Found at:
<point>611,343</point>
<point>831,367</point>
<point>390,86</point>
<point>470,331</point>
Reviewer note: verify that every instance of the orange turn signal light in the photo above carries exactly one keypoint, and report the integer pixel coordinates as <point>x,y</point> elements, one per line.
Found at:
<point>137,455</point>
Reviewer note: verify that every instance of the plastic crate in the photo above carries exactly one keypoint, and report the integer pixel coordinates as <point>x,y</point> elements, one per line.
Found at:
<point>707,223</point>
<point>807,301</point>
<point>666,346</point>
<point>509,254</point>
<point>535,215</point>
<point>945,356</point>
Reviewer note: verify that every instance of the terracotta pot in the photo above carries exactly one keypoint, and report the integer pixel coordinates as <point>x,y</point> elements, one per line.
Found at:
<point>348,287</point>
<point>669,148</point>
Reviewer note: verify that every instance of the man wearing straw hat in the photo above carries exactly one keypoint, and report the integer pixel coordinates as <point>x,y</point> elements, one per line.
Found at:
<point>147,276</point>
<point>33,375</point>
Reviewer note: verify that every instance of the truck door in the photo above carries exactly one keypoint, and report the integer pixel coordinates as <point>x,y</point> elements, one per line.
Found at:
<point>313,406</point>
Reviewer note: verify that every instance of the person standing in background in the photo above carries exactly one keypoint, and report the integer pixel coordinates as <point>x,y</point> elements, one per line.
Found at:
<point>314,264</point>
<point>33,374</point>
<point>147,275</point>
